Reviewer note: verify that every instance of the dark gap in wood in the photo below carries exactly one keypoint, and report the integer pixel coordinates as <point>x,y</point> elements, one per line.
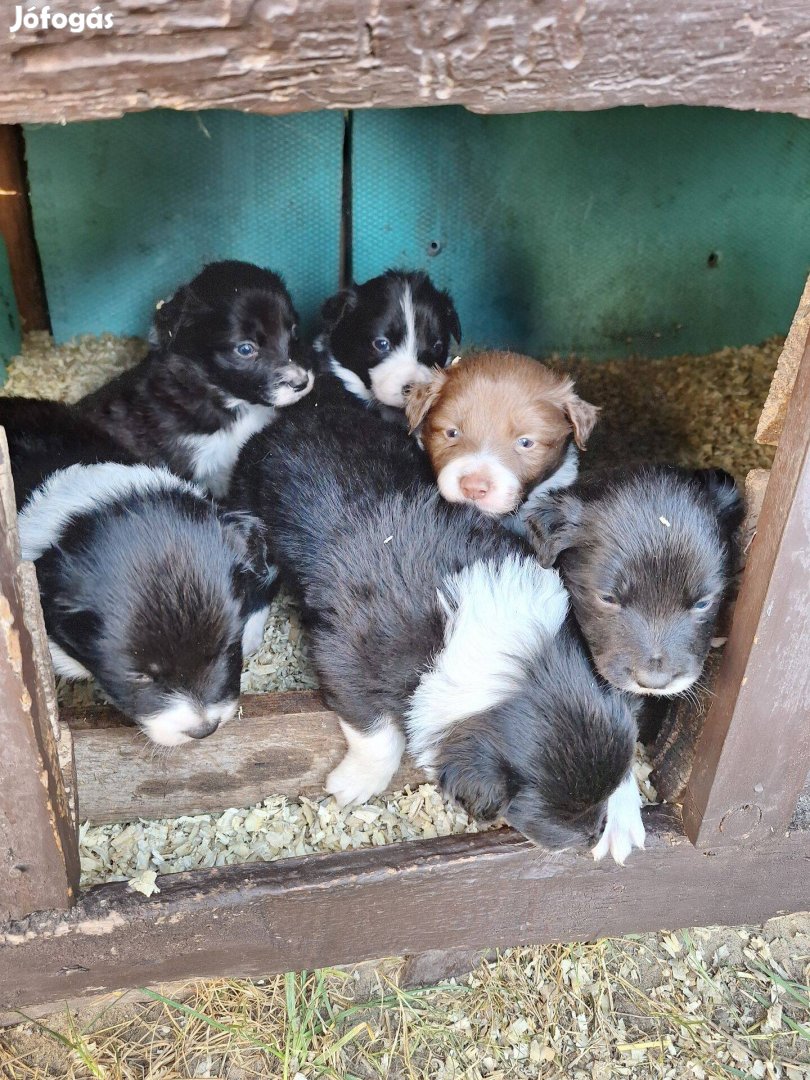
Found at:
<point>346,215</point>
<point>17,228</point>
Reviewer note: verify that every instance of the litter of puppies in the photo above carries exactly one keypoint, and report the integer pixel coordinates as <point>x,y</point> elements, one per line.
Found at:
<point>313,490</point>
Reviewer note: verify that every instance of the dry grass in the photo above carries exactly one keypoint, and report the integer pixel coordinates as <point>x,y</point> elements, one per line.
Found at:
<point>695,1004</point>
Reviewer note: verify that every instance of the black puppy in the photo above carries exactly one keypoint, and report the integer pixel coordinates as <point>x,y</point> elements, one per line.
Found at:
<point>432,627</point>
<point>222,361</point>
<point>44,436</point>
<point>382,337</point>
<point>646,554</point>
<point>146,588</point>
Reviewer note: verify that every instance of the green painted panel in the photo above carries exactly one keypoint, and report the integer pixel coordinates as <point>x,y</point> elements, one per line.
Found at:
<point>126,209</point>
<point>9,319</point>
<point>632,230</point>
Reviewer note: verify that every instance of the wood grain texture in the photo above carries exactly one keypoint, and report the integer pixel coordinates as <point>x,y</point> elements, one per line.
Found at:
<point>754,751</point>
<point>486,890</point>
<point>17,229</point>
<point>282,744</point>
<point>774,412</point>
<point>39,857</point>
<point>282,56</point>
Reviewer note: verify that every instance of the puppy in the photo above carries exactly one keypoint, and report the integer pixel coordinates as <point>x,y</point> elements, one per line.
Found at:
<point>498,426</point>
<point>44,436</point>
<point>646,555</point>
<point>145,589</point>
<point>434,629</point>
<point>222,361</point>
<point>384,336</point>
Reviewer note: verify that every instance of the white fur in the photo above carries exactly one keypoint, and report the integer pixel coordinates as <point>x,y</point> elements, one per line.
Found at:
<point>253,632</point>
<point>353,383</point>
<point>170,726</point>
<point>286,395</point>
<point>214,456</point>
<point>497,615</point>
<point>65,665</point>
<point>503,494</point>
<point>677,686</point>
<point>369,764</point>
<point>562,477</point>
<point>624,829</point>
<point>401,367</point>
<point>80,489</point>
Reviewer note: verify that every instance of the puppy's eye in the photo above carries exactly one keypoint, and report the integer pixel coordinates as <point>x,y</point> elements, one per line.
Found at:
<point>438,347</point>
<point>703,604</point>
<point>452,433</point>
<point>608,599</point>
<point>382,345</point>
<point>525,442</point>
<point>246,349</point>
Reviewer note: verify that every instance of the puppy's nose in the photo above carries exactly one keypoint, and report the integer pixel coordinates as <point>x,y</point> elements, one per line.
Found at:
<point>475,486</point>
<point>299,385</point>
<point>206,728</point>
<point>652,677</point>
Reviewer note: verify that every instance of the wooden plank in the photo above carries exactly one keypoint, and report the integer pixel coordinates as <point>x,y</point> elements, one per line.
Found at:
<point>491,55</point>
<point>282,744</point>
<point>486,890</point>
<point>754,750</point>
<point>17,229</point>
<point>774,412</point>
<point>39,857</point>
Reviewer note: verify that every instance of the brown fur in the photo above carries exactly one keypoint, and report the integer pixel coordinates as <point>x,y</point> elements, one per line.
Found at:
<point>493,399</point>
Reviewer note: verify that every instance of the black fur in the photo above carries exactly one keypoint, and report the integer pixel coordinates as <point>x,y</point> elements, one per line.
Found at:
<point>638,549</point>
<point>365,540</point>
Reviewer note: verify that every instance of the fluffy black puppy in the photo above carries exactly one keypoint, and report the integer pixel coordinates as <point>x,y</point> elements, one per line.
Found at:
<point>145,588</point>
<point>646,554</point>
<point>44,436</point>
<point>382,337</point>
<point>431,626</point>
<point>223,359</point>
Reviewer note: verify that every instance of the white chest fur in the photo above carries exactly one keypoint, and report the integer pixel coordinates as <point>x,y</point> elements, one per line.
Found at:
<point>214,456</point>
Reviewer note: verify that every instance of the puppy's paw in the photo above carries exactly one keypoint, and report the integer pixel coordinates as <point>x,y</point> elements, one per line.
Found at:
<point>349,782</point>
<point>624,829</point>
<point>253,632</point>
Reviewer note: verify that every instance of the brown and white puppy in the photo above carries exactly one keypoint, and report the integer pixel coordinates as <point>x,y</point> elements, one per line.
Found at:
<point>495,425</point>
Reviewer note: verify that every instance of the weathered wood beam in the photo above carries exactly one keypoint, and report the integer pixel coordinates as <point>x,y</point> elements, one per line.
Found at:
<point>754,750</point>
<point>39,857</point>
<point>17,229</point>
<point>490,55</point>
<point>772,420</point>
<point>486,890</point>
<point>281,744</point>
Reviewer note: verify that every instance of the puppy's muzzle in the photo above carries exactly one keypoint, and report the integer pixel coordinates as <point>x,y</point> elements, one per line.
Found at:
<point>292,383</point>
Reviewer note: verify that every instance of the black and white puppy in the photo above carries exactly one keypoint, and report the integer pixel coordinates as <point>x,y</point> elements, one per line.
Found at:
<point>386,335</point>
<point>146,589</point>
<point>44,436</point>
<point>434,629</point>
<point>223,360</point>
<point>646,554</point>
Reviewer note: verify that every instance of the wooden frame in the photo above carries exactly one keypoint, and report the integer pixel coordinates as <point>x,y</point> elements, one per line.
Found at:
<point>456,893</point>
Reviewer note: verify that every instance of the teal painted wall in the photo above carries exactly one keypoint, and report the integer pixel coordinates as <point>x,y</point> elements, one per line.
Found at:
<point>631,230</point>
<point>9,320</point>
<point>124,210</point>
<point>654,231</point>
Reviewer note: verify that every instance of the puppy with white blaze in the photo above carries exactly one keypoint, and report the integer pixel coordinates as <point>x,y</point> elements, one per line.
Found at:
<point>146,589</point>
<point>646,555</point>
<point>383,337</point>
<point>434,630</point>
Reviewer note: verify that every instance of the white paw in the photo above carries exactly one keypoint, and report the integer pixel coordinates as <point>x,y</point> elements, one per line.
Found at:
<point>349,782</point>
<point>624,829</point>
<point>253,632</point>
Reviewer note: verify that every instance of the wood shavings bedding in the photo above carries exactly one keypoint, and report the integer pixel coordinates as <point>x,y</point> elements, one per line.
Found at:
<point>694,410</point>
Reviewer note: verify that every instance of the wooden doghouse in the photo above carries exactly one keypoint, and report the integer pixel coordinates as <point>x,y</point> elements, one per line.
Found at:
<point>730,855</point>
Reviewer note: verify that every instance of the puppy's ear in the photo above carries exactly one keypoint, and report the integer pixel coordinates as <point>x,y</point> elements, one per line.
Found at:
<point>553,525</point>
<point>472,774</point>
<point>724,495</point>
<point>422,397</point>
<point>247,537</point>
<point>333,309</point>
<point>582,416</point>
<point>453,321</point>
